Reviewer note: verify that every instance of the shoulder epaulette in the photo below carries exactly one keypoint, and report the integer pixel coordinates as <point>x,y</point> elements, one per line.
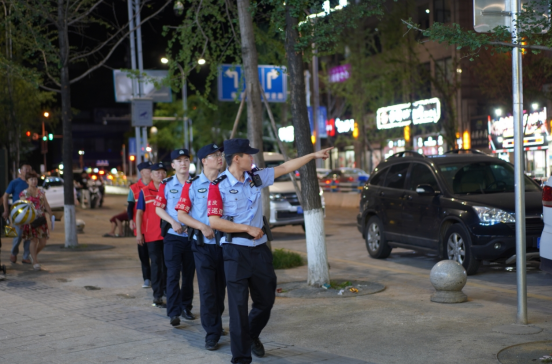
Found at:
<point>192,179</point>
<point>167,179</point>
<point>219,180</point>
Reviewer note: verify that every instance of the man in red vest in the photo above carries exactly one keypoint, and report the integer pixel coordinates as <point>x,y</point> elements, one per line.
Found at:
<point>145,179</point>
<point>148,231</point>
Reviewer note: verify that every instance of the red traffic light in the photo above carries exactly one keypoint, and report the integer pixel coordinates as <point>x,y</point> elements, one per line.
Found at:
<point>28,133</point>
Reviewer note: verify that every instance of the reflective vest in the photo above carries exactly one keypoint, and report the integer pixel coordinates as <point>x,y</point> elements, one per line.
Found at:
<point>136,188</point>
<point>150,220</point>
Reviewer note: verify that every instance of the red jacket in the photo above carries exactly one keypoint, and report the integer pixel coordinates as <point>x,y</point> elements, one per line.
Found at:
<point>150,220</point>
<point>136,188</point>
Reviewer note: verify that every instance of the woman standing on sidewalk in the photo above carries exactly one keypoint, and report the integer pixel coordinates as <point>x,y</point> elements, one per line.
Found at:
<point>37,231</point>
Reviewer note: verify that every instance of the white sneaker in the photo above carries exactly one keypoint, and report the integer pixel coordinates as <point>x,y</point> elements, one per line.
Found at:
<point>36,267</point>
<point>147,284</point>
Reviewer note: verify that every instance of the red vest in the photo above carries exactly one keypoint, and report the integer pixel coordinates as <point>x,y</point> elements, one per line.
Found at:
<point>136,188</point>
<point>150,220</point>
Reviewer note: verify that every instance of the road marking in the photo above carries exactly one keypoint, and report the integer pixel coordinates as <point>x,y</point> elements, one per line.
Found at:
<point>395,270</point>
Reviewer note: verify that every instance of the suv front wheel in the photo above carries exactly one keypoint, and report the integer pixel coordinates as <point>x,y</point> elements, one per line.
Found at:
<point>458,248</point>
<point>375,239</point>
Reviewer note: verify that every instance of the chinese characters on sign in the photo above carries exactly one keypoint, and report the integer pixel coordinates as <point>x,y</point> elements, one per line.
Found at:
<point>418,112</point>
<point>340,73</point>
<point>534,125</point>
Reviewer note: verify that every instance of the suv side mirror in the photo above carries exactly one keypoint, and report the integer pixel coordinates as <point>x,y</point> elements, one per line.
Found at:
<point>425,190</point>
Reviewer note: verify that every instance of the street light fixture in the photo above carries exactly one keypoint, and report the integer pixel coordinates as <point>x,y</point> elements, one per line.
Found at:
<point>164,60</point>
<point>498,112</point>
<point>535,106</point>
<point>46,114</point>
<point>201,61</point>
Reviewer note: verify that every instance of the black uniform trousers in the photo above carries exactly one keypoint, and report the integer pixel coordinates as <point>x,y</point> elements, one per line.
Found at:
<point>248,270</point>
<point>212,287</point>
<point>143,254</point>
<point>179,260</point>
<point>158,270</point>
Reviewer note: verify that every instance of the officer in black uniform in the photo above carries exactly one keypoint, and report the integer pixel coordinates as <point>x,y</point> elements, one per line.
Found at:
<point>235,207</point>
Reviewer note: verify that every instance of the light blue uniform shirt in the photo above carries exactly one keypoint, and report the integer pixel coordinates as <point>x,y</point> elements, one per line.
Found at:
<point>198,193</point>
<point>242,201</point>
<point>171,190</point>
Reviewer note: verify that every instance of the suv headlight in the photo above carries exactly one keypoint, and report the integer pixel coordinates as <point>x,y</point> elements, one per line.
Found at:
<point>492,216</point>
<point>276,197</point>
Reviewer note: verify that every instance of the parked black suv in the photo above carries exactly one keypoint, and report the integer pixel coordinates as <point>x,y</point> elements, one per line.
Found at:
<point>459,205</point>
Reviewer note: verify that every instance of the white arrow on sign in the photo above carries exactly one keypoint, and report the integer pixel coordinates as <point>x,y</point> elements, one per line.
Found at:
<point>272,75</point>
<point>233,74</point>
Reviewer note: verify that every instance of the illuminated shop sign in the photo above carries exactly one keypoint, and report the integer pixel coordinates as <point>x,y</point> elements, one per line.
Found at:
<point>429,145</point>
<point>419,112</point>
<point>535,132</point>
<point>339,126</point>
<point>286,134</point>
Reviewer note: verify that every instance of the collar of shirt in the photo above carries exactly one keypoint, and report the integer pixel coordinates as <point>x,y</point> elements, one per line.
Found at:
<point>233,181</point>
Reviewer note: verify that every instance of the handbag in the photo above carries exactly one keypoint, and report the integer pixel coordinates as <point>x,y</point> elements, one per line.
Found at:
<point>38,222</point>
<point>10,231</point>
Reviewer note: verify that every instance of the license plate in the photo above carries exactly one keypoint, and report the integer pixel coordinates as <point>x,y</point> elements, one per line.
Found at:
<point>299,210</point>
<point>538,243</point>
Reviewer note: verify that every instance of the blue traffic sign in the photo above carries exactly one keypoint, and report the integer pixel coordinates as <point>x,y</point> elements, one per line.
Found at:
<point>231,81</point>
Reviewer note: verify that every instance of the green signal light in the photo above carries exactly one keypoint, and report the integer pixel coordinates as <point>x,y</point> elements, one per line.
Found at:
<point>51,136</point>
<point>44,138</point>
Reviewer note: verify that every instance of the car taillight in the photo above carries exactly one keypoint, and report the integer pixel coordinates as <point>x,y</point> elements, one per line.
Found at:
<point>547,196</point>
<point>328,181</point>
<point>351,179</point>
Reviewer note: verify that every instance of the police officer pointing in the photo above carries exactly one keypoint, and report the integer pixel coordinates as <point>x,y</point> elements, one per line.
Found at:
<point>235,207</point>
<point>179,258</point>
<point>192,211</point>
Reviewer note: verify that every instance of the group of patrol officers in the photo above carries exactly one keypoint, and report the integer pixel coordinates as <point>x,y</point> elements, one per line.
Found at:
<point>211,224</point>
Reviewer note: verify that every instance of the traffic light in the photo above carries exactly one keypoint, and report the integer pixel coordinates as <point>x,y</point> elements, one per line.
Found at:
<point>44,138</point>
<point>28,133</point>
<point>132,158</point>
<point>50,136</point>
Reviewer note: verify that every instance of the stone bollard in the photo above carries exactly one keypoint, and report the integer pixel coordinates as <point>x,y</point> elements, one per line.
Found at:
<point>448,277</point>
<point>80,226</point>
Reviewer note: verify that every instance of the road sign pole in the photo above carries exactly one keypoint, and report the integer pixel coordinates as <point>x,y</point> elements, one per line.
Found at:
<point>519,166</point>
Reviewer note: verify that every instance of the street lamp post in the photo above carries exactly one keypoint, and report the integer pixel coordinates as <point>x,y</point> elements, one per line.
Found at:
<point>44,140</point>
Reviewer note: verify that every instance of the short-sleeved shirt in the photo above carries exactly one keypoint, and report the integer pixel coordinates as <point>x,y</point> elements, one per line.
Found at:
<point>240,200</point>
<point>16,187</point>
<point>193,200</point>
<point>130,197</point>
<point>141,205</point>
<point>167,198</point>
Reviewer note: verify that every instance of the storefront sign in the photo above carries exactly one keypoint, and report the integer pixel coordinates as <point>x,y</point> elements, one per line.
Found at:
<point>479,133</point>
<point>419,112</point>
<point>535,131</point>
<point>340,126</point>
<point>340,73</point>
<point>286,134</point>
<point>429,145</point>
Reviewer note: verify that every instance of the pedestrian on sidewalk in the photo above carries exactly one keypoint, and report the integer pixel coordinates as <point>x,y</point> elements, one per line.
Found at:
<point>145,178</point>
<point>179,257</point>
<point>236,195</point>
<point>192,211</point>
<point>148,232</point>
<point>117,224</point>
<point>37,231</point>
<point>14,188</point>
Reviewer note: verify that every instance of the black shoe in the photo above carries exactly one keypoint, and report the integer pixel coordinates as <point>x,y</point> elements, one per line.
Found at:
<point>158,301</point>
<point>175,320</point>
<point>223,333</point>
<point>257,348</point>
<point>187,314</point>
<point>211,345</point>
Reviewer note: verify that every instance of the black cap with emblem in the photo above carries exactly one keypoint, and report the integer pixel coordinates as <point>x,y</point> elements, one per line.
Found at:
<point>144,165</point>
<point>238,145</point>
<point>177,153</point>
<point>158,166</point>
<point>208,149</point>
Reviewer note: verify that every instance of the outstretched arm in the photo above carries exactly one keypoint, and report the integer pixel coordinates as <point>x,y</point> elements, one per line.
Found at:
<point>295,164</point>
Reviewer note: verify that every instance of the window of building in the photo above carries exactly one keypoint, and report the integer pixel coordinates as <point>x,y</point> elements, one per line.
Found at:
<point>444,70</point>
<point>441,11</point>
<point>423,15</point>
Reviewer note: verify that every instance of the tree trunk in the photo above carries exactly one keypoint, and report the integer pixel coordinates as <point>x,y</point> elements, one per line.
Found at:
<point>252,91</point>
<point>318,273</point>
<point>69,199</point>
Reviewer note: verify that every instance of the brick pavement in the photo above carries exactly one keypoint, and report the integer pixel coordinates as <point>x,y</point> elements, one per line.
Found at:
<point>44,324</point>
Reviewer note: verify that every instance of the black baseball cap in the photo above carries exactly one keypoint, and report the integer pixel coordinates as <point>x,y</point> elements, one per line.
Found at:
<point>233,146</point>
<point>177,153</point>
<point>144,165</point>
<point>158,166</point>
<point>208,149</point>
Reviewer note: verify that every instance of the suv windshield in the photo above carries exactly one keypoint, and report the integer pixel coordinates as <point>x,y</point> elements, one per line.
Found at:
<point>481,178</point>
